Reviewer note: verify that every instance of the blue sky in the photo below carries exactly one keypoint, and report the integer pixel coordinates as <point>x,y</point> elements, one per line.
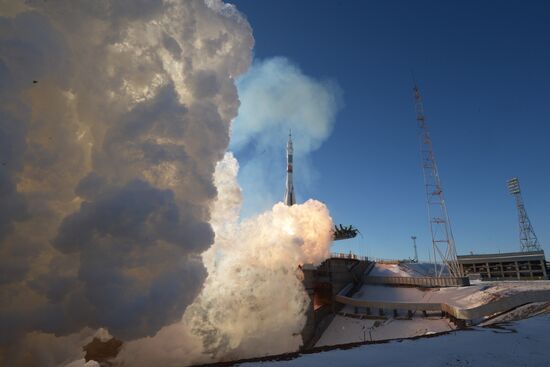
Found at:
<point>484,70</point>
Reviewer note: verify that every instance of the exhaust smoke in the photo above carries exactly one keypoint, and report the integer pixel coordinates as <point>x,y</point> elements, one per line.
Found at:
<point>253,302</point>
<point>113,115</point>
<point>120,212</point>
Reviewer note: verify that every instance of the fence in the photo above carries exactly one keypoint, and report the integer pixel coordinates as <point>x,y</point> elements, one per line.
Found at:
<point>340,255</point>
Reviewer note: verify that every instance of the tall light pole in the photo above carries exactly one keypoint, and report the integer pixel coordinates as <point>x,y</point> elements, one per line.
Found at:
<point>414,245</point>
<point>527,237</point>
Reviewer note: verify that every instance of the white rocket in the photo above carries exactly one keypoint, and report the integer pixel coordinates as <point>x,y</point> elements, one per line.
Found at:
<point>290,197</point>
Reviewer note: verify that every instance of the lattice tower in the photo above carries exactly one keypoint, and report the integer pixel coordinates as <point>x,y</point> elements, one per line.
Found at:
<point>440,225</point>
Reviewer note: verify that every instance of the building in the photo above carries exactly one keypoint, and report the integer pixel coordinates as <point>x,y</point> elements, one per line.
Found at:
<point>505,266</point>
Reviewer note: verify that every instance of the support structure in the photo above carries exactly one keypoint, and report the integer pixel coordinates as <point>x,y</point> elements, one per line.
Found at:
<point>527,237</point>
<point>344,233</point>
<point>290,197</point>
<point>440,226</point>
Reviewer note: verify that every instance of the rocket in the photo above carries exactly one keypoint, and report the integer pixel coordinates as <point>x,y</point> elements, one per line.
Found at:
<point>290,197</point>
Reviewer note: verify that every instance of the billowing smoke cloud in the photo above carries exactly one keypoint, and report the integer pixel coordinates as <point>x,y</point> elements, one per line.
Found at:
<point>119,210</point>
<point>113,115</point>
<point>253,302</point>
<point>277,96</point>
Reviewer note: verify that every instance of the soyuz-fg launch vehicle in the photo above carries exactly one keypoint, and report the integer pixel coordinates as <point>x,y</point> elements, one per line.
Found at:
<point>338,233</point>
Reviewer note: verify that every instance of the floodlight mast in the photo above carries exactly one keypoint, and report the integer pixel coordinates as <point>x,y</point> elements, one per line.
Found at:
<point>527,237</point>
<point>440,226</point>
<point>415,251</point>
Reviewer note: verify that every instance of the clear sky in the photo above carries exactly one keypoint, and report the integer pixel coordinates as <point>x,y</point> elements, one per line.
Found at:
<point>484,70</point>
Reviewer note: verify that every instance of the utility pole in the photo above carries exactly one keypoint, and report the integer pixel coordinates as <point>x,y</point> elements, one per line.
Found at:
<point>440,225</point>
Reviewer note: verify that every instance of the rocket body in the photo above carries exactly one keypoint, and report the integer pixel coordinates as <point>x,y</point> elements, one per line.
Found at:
<point>290,197</point>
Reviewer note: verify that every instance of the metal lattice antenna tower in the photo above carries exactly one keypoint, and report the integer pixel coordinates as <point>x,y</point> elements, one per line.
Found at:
<point>440,225</point>
<point>527,237</point>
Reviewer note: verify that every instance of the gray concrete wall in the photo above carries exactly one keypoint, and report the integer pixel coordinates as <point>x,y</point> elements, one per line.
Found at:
<point>339,272</point>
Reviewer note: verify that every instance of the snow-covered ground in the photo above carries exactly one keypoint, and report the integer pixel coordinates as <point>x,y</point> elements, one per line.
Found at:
<point>404,270</point>
<point>463,297</point>
<point>348,329</point>
<point>521,343</point>
<point>343,330</point>
<point>421,269</point>
<point>520,313</point>
<point>478,346</point>
<point>388,270</point>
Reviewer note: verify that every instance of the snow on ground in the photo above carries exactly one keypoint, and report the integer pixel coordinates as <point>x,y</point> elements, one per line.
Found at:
<point>405,270</point>
<point>388,270</point>
<point>459,296</point>
<point>343,330</point>
<point>464,297</point>
<point>485,292</point>
<point>521,343</point>
<point>522,312</point>
<point>422,269</point>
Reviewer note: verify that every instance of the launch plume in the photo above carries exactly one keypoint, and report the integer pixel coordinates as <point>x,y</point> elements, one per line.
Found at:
<point>113,115</point>
<point>253,302</point>
<point>120,212</point>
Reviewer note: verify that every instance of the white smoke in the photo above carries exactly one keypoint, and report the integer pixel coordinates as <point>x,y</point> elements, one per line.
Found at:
<point>277,96</point>
<point>113,115</point>
<point>113,118</point>
<point>253,302</point>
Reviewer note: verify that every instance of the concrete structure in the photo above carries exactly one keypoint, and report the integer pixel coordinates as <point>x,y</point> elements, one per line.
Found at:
<point>340,275</point>
<point>468,314</point>
<point>290,197</point>
<point>332,284</point>
<point>506,266</point>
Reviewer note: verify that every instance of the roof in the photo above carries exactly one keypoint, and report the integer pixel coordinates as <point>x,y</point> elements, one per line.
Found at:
<point>512,256</point>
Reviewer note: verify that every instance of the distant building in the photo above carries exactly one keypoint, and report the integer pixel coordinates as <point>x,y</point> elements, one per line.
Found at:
<point>505,266</point>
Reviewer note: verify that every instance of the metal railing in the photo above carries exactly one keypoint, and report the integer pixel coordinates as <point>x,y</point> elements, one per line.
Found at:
<point>351,256</point>
<point>419,281</point>
<point>387,261</point>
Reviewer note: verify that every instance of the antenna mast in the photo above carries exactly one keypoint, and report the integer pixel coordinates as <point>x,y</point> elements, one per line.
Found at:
<point>527,237</point>
<point>440,226</point>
